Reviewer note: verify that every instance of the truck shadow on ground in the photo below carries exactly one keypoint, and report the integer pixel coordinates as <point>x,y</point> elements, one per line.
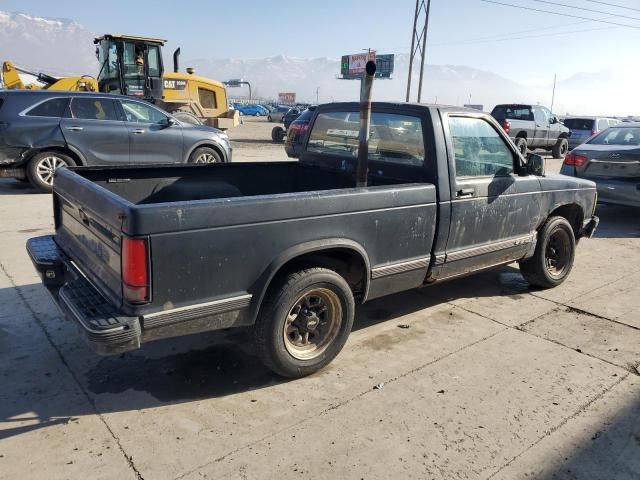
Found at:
<point>618,221</point>
<point>9,186</point>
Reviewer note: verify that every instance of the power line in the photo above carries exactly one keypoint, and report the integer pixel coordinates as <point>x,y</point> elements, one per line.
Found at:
<point>615,5</point>
<point>467,42</point>
<point>557,4</point>
<point>635,27</point>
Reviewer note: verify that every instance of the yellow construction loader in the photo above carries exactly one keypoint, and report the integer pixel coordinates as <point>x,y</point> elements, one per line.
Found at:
<point>133,66</point>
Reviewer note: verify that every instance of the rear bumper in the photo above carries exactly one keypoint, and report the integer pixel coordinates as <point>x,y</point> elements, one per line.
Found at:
<point>13,172</point>
<point>104,328</point>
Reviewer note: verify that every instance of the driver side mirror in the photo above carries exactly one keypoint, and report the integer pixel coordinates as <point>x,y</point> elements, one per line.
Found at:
<point>553,120</point>
<point>535,165</point>
<point>171,121</point>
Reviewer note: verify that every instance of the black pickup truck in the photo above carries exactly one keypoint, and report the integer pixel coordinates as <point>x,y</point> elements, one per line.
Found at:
<point>289,248</point>
<point>533,126</point>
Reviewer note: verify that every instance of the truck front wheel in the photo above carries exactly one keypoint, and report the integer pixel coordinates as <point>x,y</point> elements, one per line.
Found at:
<point>304,322</point>
<point>561,148</point>
<point>552,261</point>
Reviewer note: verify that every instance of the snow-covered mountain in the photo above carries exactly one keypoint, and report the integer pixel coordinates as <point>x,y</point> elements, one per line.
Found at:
<point>63,47</point>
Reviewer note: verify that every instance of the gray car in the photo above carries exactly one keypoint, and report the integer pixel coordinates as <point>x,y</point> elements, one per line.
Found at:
<point>582,128</point>
<point>612,160</point>
<point>41,131</point>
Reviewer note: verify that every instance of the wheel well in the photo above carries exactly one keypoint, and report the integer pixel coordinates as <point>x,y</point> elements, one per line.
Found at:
<point>63,150</point>
<point>573,213</point>
<point>563,135</point>
<point>522,135</point>
<point>213,146</point>
<point>346,262</point>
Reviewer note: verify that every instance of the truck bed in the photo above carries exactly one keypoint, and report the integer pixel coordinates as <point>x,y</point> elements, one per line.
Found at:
<point>194,216</point>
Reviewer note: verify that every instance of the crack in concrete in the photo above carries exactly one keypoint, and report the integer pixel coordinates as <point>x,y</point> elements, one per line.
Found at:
<point>339,405</point>
<point>562,423</point>
<point>36,318</point>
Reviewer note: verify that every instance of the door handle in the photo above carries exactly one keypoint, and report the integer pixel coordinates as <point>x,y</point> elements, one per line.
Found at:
<point>75,128</point>
<point>138,131</point>
<point>465,193</point>
<point>538,125</point>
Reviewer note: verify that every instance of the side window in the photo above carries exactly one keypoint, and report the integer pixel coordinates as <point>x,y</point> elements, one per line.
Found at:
<point>547,113</point>
<point>603,124</point>
<point>137,112</point>
<point>539,115</point>
<point>393,138</point>
<point>93,108</point>
<point>153,60</point>
<point>51,108</point>
<point>479,150</point>
<point>207,98</point>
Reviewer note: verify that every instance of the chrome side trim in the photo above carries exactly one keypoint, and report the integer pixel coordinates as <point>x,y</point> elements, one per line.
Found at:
<point>440,259</point>
<point>190,312</point>
<point>400,267</point>
<point>489,248</point>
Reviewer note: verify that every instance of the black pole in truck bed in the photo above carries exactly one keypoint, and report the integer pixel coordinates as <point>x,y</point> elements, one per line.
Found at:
<point>365,118</point>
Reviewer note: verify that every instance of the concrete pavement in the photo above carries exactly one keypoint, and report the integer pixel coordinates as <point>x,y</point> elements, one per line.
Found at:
<point>489,380</point>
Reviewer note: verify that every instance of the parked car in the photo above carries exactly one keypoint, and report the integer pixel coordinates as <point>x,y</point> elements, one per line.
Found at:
<point>42,131</point>
<point>254,110</point>
<point>533,126</point>
<point>440,203</point>
<point>278,114</point>
<point>582,128</point>
<point>290,116</point>
<point>296,133</point>
<point>612,160</point>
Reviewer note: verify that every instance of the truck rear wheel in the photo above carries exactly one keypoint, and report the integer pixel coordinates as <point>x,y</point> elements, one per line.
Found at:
<point>552,261</point>
<point>304,322</point>
<point>521,145</point>
<point>42,168</point>
<point>561,148</point>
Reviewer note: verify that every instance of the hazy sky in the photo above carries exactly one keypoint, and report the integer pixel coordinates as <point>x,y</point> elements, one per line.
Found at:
<point>522,45</point>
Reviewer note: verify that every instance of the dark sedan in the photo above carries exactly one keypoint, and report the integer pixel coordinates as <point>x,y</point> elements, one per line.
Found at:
<point>43,130</point>
<point>612,160</point>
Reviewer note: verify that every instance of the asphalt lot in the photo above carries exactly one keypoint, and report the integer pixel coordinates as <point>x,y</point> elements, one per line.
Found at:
<point>491,380</point>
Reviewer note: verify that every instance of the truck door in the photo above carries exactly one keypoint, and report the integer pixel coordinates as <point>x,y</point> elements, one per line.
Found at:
<point>494,211</point>
<point>553,127</point>
<point>152,138</point>
<point>542,127</point>
<point>96,130</point>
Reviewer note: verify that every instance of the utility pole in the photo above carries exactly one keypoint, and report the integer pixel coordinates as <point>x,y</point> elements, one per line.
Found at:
<point>317,95</point>
<point>553,93</point>
<point>419,43</point>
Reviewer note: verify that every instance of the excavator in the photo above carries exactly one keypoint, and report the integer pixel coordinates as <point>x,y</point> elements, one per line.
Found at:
<point>130,65</point>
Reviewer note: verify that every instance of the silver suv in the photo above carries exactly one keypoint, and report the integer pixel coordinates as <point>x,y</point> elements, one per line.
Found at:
<point>583,128</point>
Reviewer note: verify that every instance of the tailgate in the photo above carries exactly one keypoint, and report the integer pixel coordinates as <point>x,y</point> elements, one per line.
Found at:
<point>88,230</point>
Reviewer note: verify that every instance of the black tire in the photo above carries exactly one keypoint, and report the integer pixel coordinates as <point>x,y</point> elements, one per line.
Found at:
<point>186,117</point>
<point>41,169</point>
<point>277,134</point>
<point>269,118</point>
<point>275,333</point>
<point>561,148</point>
<point>552,261</point>
<point>521,145</point>
<point>205,155</point>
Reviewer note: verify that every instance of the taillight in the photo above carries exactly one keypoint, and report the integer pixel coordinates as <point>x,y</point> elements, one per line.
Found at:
<point>506,126</point>
<point>135,270</point>
<point>594,132</point>
<point>575,160</point>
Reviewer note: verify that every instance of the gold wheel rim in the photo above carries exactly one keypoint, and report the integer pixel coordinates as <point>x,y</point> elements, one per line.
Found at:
<point>312,324</point>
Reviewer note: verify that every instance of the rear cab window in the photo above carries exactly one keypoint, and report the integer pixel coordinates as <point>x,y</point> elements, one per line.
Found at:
<point>512,112</point>
<point>54,107</point>
<point>393,138</point>
<point>94,108</point>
